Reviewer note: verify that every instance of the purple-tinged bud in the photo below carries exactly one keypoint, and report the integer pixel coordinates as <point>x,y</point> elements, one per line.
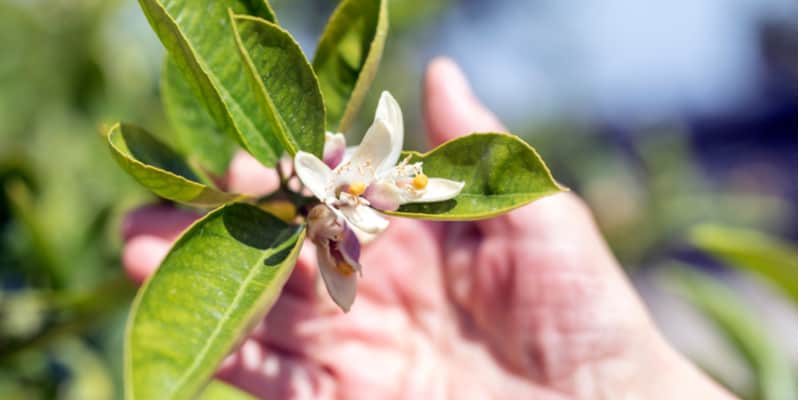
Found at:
<point>324,225</point>
<point>333,152</point>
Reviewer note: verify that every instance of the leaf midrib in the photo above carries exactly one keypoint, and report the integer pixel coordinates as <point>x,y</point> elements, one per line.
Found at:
<point>287,140</point>
<point>216,86</point>
<point>225,317</point>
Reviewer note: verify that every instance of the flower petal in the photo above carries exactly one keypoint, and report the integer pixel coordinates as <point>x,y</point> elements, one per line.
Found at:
<point>371,153</point>
<point>334,150</point>
<point>348,153</point>
<point>365,218</point>
<point>350,249</point>
<point>363,237</point>
<point>384,196</point>
<point>341,288</point>
<point>438,189</point>
<point>314,174</point>
<point>389,111</point>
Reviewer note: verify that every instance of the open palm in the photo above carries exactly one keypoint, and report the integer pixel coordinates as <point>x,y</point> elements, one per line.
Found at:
<point>527,305</point>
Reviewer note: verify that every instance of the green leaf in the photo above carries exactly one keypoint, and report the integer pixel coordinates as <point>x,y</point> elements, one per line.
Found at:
<point>348,55</point>
<point>220,278</point>
<point>160,169</point>
<point>742,327</point>
<point>217,390</point>
<point>768,257</point>
<point>199,38</point>
<point>501,172</point>
<point>197,133</point>
<point>287,86</point>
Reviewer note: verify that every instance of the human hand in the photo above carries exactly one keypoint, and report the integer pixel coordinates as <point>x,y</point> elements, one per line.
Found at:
<point>530,304</point>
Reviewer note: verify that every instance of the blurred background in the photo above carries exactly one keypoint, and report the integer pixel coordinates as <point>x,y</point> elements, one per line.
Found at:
<point>675,120</point>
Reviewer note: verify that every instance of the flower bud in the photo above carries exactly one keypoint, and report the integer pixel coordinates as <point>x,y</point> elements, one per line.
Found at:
<point>334,149</point>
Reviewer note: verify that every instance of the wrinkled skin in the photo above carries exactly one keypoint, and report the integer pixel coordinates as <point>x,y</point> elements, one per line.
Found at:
<point>527,305</point>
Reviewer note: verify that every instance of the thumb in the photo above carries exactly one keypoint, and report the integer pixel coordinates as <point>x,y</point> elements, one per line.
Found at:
<point>451,109</point>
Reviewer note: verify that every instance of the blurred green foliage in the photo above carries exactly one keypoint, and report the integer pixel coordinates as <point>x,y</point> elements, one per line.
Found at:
<point>770,258</point>
<point>63,296</point>
<point>774,371</point>
<point>70,66</point>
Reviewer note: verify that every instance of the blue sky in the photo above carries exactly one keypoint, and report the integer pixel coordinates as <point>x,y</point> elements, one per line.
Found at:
<point>631,59</point>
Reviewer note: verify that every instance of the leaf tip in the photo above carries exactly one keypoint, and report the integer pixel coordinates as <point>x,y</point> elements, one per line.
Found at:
<point>104,129</point>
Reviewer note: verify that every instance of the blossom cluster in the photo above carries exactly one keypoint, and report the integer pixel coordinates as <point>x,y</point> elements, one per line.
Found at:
<point>353,186</point>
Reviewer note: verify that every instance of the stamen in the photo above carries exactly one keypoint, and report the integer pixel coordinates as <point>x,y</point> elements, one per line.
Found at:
<point>420,181</point>
<point>344,268</point>
<point>357,188</point>
<point>402,182</point>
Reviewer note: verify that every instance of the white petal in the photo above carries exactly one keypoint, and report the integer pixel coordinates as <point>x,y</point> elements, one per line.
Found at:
<point>365,218</point>
<point>362,236</point>
<point>389,111</point>
<point>341,288</point>
<point>348,153</point>
<point>384,196</point>
<point>313,173</point>
<point>371,153</point>
<point>438,189</point>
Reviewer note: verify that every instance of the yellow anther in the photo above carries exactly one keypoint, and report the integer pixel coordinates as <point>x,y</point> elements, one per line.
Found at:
<point>344,268</point>
<point>420,181</point>
<point>357,188</point>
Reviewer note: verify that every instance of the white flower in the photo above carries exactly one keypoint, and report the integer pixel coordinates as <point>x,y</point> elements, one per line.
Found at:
<point>369,176</point>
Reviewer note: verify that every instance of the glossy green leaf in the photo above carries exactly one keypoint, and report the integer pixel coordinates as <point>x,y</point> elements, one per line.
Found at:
<point>501,173</point>
<point>160,169</point>
<point>768,257</point>
<point>742,327</point>
<point>348,55</point>
<point>219,278</point>
<point>199,38</point>
<point>197,134</point>
<point>287,86</point>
